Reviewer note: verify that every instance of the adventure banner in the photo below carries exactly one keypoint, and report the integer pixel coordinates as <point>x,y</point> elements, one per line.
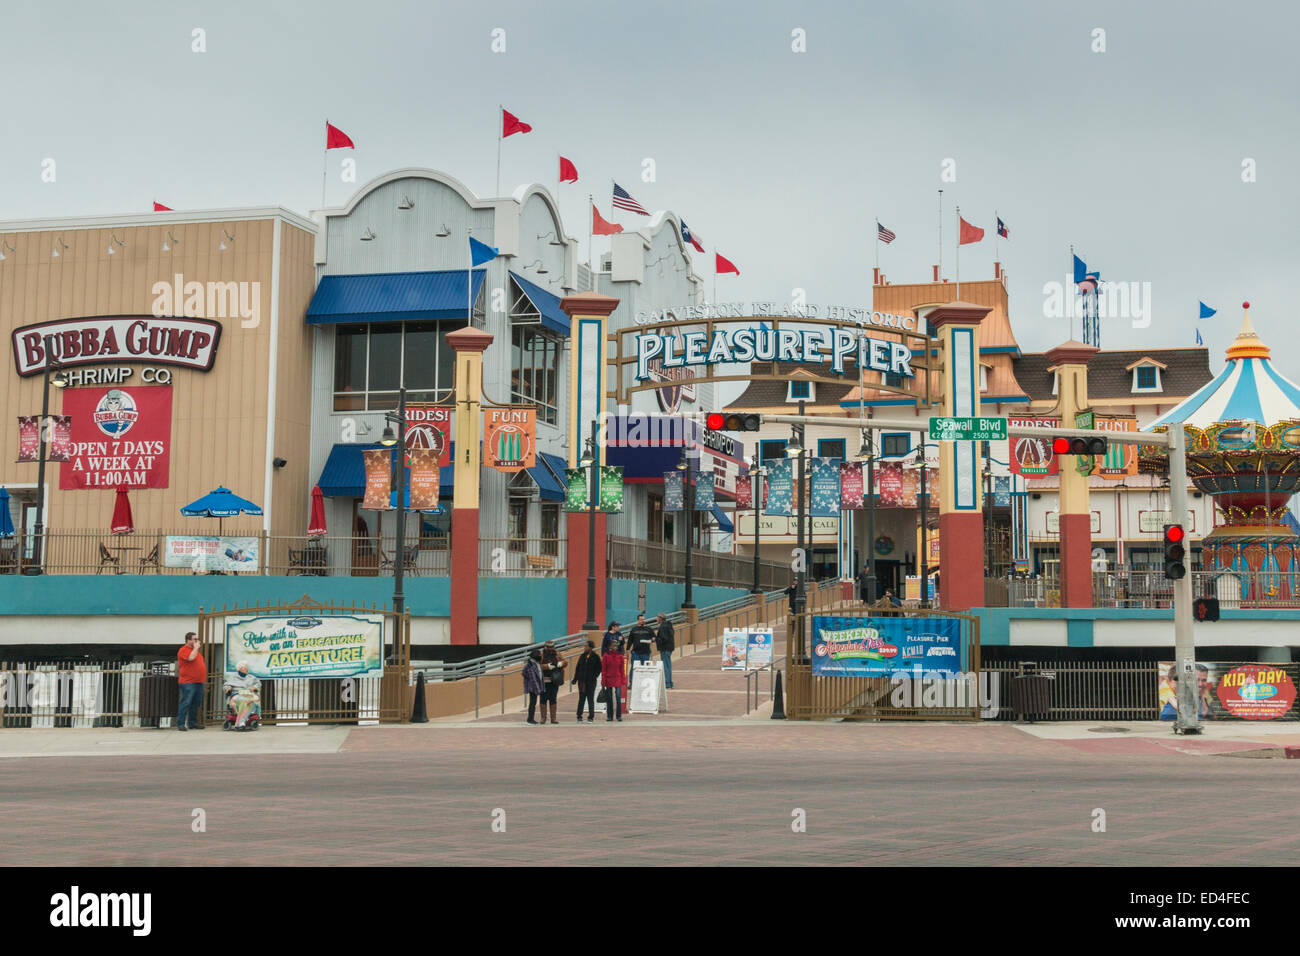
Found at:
<point>510,438</point>
<point>119,437</point>
<point>1234,691</point>
<point>881,646</point>
<point>379,474</point>
<point>307,646</point>
<point>825,487</point>
<point>851,485</point>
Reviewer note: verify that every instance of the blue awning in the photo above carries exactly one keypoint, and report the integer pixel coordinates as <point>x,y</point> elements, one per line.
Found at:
<point>393,297</point>
<point>546,303</point>
<point>723,521</point>
<point>344,474</point>
<point>548,473</point>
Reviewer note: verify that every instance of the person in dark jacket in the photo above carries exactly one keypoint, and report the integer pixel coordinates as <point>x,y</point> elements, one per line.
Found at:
<point>792,593</point>
<point>666,643</point>
<point>552,679</point>
<point>533,681</point>
<point>612,636</point>
<point>611,675</point>
<point>864,586</point>
<point>586,671</point>
<point>640,641</point>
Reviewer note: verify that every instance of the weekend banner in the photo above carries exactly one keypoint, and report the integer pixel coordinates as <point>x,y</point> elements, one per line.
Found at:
<point>874,647</point>
<point>379,467</point>
<point>825,487</point>
<point>851,485</point>
<point>780,487</point>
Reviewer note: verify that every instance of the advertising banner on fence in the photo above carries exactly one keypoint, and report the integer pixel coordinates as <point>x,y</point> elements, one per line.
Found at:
<point>210,553</point>
<point>851,485</point>
<point>735,648</point>
<point>379,475</point>
<point>780,487</point>
<point>307,646</point>
<point>825,487</point>
<point>119,436</point>
<point>879,646</point>
<point>1235,691</point>
<point>424,475</point>
<point>758,649</point>
<point>510,438</point>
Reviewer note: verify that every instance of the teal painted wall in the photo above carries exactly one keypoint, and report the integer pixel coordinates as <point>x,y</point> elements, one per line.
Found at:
<point>995,622</point>
<point>660,596</point>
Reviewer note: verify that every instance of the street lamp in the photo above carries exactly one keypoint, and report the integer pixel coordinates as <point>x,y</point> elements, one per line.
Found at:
<point>684,466</point>
<point>923,507</point>
<point>867,454</point>
<point>399,560</point>
<point>588,461</point>
<point>60,380</point>
<point>755,488</point>
<point>795,449</point>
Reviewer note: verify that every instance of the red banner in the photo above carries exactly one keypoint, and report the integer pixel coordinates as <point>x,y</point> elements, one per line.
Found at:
<point>744,493</point>
<point>60,447</point>
<point>851,485</point>
<point>118,437</point>
<point>29,437</point>
<point>1031,456</point>
<point>429,426</point>
<point>424,479</point>
<point>379,473</point>
<point>59,438</point>
<point>889,478</point>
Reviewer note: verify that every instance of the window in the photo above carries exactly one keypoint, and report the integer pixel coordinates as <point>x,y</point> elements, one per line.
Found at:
<point>984,378</point>
<point>830,448</point>
<point>655,518</point>
<point>517,524</point>
<point>550,528</point>
<point>535,370</point>
<point>895,445</point>
<point>372,361</point>
<point>799,391</point>
<point>891,380</point>
<point>435,530</point>
<point>1146,378</point>
<point>772,448</point>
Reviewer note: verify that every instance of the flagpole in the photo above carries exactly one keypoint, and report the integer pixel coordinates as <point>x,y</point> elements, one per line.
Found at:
<point>591,228</point>
<point>997,234</point>
<point>877,245</point>
<point>940,235</point>
<point>957,255</point>
<point>324,162</point>
<point>1069,309</point>
<point>500,127</point>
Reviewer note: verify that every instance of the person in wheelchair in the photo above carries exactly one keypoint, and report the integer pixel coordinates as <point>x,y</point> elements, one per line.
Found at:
<point>243,698</point>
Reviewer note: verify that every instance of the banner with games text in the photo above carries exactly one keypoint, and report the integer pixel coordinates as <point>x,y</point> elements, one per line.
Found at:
<point>379,476</point>
<point>118,437</point>
<point>510,438</point>
<point>851,485</point>
<point>307,645</point>
<point>1120,461</point>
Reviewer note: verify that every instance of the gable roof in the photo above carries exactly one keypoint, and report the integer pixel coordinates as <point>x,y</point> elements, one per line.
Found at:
<point>1109,376</point>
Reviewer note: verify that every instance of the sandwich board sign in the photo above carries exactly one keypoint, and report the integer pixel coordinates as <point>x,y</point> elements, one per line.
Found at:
<point>647,693</point>
<point>735,648</point>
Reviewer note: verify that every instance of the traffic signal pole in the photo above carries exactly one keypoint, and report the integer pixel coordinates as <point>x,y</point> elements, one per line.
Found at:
<point>1189,711</point>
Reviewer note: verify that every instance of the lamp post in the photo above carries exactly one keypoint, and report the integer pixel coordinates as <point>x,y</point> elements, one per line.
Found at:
<point>796,450</point>
<point>399,559</point>
<point>589,461</point>
<point>37,565</point>
<point>755,482</point>
<point>923,503</point>
<point>867,453</point>
<point>684,466</point>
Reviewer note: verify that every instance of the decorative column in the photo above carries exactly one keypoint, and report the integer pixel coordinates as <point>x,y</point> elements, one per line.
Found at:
<point>469,344</point>
<point>588,314</point>
<point>1070,362</point>
<point>961,493</point>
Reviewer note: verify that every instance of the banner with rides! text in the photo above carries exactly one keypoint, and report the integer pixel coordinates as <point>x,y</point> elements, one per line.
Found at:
<point>307,646</point>
<point>881,646</point>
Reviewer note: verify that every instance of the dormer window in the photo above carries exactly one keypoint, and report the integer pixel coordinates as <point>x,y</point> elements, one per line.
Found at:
<point>1146,375</point>
<point>984,378</point>
<point>800,391</point>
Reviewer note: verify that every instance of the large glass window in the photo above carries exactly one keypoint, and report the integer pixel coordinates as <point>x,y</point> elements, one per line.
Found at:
<point>517,524</point>
<point>371,362</point>
<point>550,528</point>
<point>534,375</point>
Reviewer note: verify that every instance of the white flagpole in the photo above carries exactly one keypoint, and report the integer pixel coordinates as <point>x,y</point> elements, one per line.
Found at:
<point>877,244</point>
<point>501,114</point>
<point>940,235</point>
<point>324,161</point>
<point>591,228</point>
<point>957,255</point>
<point>996,234</point>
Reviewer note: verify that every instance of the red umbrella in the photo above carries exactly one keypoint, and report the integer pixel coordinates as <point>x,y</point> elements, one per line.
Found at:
<point>123,523</point>
<point>316,526</point>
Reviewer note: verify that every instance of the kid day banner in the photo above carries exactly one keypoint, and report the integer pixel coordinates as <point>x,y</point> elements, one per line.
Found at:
<point>307,646</point>
<point>1234,691</point>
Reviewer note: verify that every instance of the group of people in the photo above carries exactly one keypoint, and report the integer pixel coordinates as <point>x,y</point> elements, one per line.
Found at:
<point>544,672</point>
<point>243,690</point>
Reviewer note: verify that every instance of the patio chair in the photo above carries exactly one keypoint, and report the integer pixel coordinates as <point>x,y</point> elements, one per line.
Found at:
<point>8,559</point>
<point>386,559</point>
<point>107,559</point>
<point>150,560</point>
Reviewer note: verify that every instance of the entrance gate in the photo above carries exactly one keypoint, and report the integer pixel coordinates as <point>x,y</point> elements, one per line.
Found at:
<point>317,700</point>
<point>823,697</point>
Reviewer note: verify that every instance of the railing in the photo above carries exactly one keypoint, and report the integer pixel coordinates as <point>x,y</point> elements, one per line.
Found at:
<point>1086,690</point>
<point>1149,588</point>
<point>657,561</point>
<point>522,557</point>
<point>54,694</point>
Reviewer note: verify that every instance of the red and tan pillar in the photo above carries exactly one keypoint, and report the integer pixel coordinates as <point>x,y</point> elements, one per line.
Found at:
<point>469,344</point>
<point>588,382</point>
<point>1070,362</point>
<point>961,487</point>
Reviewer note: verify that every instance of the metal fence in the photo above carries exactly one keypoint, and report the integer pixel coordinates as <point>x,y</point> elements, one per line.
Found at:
<point>1149,588</point>
<point>55,694</point>
<point>1087,690</point>
<point>657,561</point>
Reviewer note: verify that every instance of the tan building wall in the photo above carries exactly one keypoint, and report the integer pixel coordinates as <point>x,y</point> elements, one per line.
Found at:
<point>220,417</point>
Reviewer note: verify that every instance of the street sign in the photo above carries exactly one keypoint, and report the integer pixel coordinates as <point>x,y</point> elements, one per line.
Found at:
<point>968,429</point>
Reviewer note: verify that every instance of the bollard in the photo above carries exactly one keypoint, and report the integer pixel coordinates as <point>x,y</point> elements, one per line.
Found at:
<point>778,702</point>
<point>419,715</point>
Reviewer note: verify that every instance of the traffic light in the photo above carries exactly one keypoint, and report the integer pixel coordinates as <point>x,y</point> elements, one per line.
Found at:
<point>1175,551</point>
<point>1205,609</point>
<point>1079,446</point>
<point>734,422</point>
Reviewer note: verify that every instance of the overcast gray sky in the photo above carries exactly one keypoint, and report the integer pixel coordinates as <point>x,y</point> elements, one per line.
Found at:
<point>780,160</point>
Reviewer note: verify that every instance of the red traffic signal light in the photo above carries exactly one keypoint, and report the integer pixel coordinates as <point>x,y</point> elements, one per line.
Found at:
<point>1079,446</point>
<point>1174,533</point>
<point>1175,552</point>
<point>735,422</point>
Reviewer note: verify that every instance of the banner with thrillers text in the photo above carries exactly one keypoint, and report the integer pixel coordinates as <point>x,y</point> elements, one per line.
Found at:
<point>379,476</point>
<point>120,437</point>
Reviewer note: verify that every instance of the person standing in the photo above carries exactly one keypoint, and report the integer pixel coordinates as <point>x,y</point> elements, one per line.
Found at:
<point>586,672</point>
<point>666,643</point>
<point>533,682</point>
<point>191,674</point>
<point>612,636</point>
<point>552,678</point>
<point>640,640</point>
<point>611,675</point>
<point>864,584</point>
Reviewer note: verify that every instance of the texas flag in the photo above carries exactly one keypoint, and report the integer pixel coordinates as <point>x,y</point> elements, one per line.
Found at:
<point>1002,229</point>
<point>335,138</point>
<point>688,236</point>
<point>511,124</point>
<point>599,227</point>
<point>969,233</point>
<point>722,264</point>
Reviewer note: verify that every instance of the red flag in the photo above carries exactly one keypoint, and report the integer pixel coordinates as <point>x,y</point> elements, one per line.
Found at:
<point>510,124</point>
<point>568,171</point>
<point>159,207</point>
<point>599,227</point>
<point>969,233</point>
<point>723,264</point>
<point>335,138</point>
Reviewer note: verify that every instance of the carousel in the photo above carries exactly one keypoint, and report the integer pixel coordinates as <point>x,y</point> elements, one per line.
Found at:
<point>1243,449</point>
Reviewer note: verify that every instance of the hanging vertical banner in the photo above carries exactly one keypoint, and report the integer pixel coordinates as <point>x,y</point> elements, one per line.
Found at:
<point>910,482</point>
<point>379,473</point>
<point>672,491</point>
<point>889,481</point>
<point>576,497</point>
<point>119,436</point>
<point>851,485</point>
<point>424,476</point>
<point>1033,456</point>
<point>60,438</point>
<point>1001,491</point>
<point>780,487</point>
<point>704,492</point>
<point>29,437</point>
<point>1120,461</point>
<point>825,487</point>
<point>510,438</point>
<point>611,489</point>
<point>429,426</point>
<point>744,493</point>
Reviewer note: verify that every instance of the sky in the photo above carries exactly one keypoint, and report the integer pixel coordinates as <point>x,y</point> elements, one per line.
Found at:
<point>780,159</point>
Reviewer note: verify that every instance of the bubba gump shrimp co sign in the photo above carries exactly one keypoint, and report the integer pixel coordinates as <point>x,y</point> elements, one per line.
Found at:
<point>169,340</point>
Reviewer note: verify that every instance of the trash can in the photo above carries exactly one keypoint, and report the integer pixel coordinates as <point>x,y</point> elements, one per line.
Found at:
<point>1031,693</point>
<point>159,697</point>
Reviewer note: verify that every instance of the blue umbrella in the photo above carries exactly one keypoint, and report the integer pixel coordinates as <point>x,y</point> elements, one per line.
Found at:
<point>220,503</point>
<point>6,522</point>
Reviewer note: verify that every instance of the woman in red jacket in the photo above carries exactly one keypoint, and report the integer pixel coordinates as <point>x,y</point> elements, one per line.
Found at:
<point>611,677</point>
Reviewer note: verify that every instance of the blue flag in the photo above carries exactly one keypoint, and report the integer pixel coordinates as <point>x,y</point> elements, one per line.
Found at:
<point>1080,270</point>
<point>480,252</point>
<point>1206,311</point>
<point>1198,337</point>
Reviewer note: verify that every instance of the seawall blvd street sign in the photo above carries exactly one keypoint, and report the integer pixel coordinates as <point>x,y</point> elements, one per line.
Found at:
<point>968,429</point>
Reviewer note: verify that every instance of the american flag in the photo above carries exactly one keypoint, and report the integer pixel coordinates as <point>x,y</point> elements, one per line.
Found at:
<point>883,234</point>
<point>623,201</point>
